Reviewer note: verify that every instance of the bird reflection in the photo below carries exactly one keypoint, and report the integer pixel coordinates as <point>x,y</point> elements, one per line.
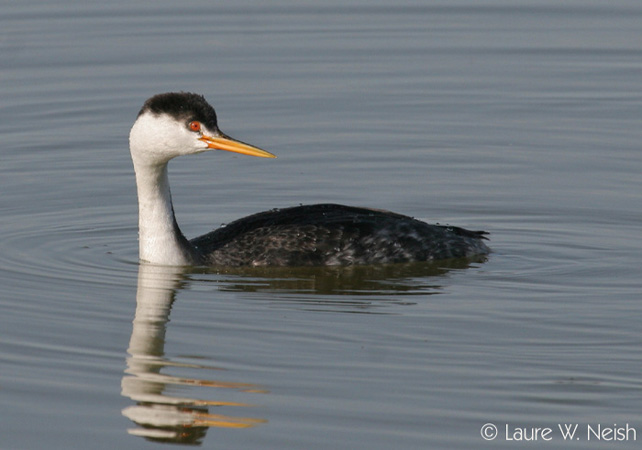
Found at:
<point>401,280</point>
<point>164,417</point>
<point>160,415</point>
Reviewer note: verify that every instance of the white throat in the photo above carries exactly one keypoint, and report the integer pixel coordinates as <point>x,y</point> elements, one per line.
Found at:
<point>160,239</point>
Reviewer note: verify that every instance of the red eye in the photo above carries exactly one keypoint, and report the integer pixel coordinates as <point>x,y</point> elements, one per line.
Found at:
<point>195,125</point>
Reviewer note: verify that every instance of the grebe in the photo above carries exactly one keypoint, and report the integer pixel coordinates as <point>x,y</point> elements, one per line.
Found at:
<point>175,124</point>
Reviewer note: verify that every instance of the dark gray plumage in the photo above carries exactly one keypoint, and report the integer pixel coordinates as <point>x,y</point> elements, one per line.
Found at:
<point>328,234</point>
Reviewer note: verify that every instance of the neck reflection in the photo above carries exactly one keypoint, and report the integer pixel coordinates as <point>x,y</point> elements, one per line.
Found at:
<point>160,414</point>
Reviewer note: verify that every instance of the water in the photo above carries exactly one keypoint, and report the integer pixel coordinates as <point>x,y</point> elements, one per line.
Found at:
<point>522,120</point>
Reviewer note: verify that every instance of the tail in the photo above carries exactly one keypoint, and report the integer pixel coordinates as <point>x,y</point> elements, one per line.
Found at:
<point>466,233</point>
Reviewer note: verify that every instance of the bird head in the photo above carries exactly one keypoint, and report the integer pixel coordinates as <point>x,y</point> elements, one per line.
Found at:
<point>180,123</point>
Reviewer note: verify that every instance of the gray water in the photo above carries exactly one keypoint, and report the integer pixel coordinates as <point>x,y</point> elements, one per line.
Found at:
<point>522,120</point>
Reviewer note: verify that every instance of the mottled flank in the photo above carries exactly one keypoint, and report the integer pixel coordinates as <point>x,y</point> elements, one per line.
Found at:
<point>328,234</point>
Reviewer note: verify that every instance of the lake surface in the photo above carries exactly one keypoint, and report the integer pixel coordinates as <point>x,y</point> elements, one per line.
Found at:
<point>522,120</point>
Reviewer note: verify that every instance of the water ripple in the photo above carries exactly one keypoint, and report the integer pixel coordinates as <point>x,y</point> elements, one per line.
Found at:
<point>93,247</point>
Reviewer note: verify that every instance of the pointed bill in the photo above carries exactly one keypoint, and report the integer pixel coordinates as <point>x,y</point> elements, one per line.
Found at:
<point>223,142</point>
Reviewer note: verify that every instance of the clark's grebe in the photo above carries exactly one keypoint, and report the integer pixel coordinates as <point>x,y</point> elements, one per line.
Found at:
<point>175,124</point>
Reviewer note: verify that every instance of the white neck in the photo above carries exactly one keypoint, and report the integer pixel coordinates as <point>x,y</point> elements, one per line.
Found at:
<point>160,239</point>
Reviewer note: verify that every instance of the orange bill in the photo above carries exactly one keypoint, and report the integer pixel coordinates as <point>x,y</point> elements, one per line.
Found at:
<point>223,142</point>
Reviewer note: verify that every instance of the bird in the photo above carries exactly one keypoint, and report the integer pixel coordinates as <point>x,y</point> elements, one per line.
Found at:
<point>181,123</point>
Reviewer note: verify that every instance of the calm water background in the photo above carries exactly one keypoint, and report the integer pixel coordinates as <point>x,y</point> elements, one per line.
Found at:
<point>523,120</point>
